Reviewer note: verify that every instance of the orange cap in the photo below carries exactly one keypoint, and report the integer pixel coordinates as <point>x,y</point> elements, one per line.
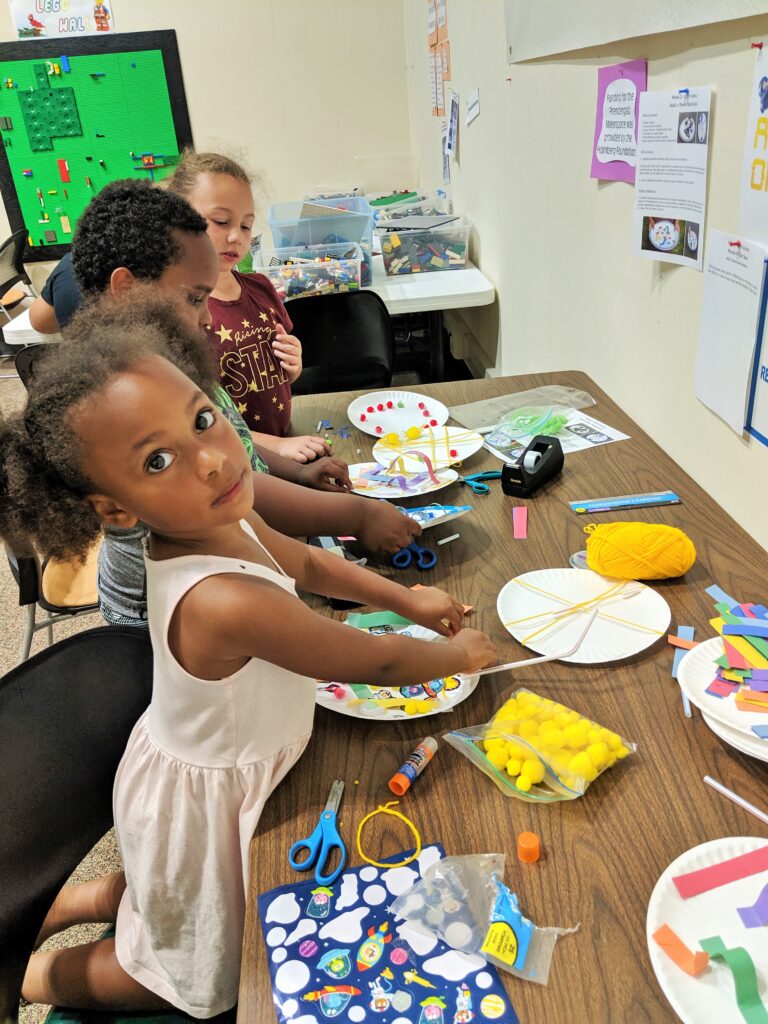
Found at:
<point>528,847</point>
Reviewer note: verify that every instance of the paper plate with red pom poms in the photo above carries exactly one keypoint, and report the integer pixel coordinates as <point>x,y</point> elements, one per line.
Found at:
<point>394,412</point>
<point>444,446</point>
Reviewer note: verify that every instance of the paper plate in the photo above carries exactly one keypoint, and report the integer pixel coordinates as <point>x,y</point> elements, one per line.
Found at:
<point>399,411</point>
<point>754,746</point>
<point>443,446</point>
<point>696,671</point>
<point>708,999</point>
<point>664,236</point>
<point>631,618</point>
<point>444,694</point>
<point>416,483</point>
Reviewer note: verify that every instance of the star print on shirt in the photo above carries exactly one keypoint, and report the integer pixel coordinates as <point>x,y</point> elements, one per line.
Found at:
<point>274,399</point>
<point>263,316</point>
<point>223,334</point>
<point>252,386</point>
<point>246,323</point>
<point>281,407</point>
<point>257,417</point>
<point>242,408</point>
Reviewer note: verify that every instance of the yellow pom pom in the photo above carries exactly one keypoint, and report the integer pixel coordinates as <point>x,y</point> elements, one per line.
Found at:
<point>533,769</point>
<point>523,783</point>
<point>493,742</point>
<point>392,438</point>
<point>639,551</point>
<point>513,766</point>
<point>554,738</point>
<point>581,766</point>
<point>497,756</point>
<point>412,433</point>
<point>598,754</point>
<point>528,729</point>
<point>621,751</point>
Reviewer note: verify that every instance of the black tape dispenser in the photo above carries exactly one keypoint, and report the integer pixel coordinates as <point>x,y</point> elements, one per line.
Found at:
<point>541,460</point>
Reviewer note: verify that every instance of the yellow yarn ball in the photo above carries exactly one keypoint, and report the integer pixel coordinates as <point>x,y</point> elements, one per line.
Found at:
<point>639,551</point>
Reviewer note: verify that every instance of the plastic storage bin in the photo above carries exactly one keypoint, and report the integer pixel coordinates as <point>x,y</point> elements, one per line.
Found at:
<point>412,204</point>
<point>312,270</point>
<point>422,250</point>
<point>353,224</point>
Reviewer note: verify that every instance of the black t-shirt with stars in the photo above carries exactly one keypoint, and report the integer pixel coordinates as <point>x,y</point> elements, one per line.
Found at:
<point>241,334</point>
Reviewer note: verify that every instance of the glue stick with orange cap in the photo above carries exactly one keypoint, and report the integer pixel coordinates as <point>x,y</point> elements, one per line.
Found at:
<point>414,765</point>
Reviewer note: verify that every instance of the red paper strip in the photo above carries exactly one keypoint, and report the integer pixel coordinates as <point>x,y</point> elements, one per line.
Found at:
<point>520,522</point>
<point>695,882</point>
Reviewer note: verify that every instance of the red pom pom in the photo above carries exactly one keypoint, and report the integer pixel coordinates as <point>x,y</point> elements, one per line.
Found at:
<point>433,423</point>
<point>426,412</point>
<point>453,453</point>
<point>390,405</point>
<point>370,408</point>
<point>362,417</point>
<point>380,407</point>
<point>421,405</point>
<point>378,430</point>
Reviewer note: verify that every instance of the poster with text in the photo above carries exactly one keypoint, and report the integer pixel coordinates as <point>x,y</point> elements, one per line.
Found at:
<point>614,154</point>
<point>60,18</point>
<point>730,308</point>
<point>754,171</point>
<point>671,181</point>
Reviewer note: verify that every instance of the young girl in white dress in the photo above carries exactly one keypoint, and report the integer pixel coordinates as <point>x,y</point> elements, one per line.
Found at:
<point>113,433</point>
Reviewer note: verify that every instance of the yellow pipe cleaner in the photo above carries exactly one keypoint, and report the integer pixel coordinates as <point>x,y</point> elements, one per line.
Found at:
<point>385,809</point>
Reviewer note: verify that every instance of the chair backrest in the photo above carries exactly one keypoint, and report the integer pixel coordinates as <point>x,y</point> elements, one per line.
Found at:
<point>12,260</point>
<point>26,358</point>
<point>347,342</point>
<point>25,569</point>
<point>65,718</point>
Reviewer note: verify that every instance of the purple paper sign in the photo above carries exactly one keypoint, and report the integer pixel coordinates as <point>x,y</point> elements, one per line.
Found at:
<point>618,102</point>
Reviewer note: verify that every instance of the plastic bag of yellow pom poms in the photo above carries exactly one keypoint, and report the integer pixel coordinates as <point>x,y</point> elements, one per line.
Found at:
<point>539,750</point>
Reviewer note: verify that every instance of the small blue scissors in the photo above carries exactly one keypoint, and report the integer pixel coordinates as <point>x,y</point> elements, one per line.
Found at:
<point>323,841</point>
<point>423,557</point>
<point>476,480</point>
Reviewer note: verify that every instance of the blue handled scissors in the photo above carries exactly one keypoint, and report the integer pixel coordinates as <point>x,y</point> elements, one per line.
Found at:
<point>424,558</point>
<point>476,480</point>
<point>323,841</point>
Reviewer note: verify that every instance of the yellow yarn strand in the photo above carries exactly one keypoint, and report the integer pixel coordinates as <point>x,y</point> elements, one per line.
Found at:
<point>639,551</point>
<point>386,809</point>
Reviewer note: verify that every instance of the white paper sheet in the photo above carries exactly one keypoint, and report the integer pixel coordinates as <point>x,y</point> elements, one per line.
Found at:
<point>754,172</point>
<point>733,280</point>
<point>671,182</point>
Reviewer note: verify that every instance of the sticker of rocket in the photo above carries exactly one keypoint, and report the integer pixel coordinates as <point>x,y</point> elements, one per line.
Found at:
<point>336,963</point>
<point>371,948</point>
<point>415,978</point>
<point>332,999</point>
<point>432,1010</point>
<point>381,991</point>
<point>464,1013</point>
<point>320,904</point>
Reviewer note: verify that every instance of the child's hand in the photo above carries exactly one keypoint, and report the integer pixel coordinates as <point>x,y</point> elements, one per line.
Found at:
<point>301,449</point>
<point>325,474</point>
<point>478,648</point>
<point>436,610</point>
<point>384,529</point>
<point>287,348</point>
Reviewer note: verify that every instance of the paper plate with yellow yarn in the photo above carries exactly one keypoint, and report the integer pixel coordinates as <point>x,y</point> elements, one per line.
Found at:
<point>443,445</point>
<point>546,611</point>
<point>373,480</point>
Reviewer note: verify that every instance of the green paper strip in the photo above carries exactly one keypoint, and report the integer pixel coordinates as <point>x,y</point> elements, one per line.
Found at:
<point>760,645</point>
<point>744,974</point>
<point>368,620</point>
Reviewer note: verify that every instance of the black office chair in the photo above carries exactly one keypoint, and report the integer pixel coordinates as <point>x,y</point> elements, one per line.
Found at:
<point>12,265</point>
<point>26,358</point>
<point>347,342</point>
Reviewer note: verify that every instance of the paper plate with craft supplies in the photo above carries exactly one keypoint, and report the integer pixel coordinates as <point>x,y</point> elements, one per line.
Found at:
<point>546,610</point>
<point>697,675</point>
<point>699,985</point>
<point>444,446</point>
<point>376,481</point>
<point>754,747</point>
<point>395,703</point>
<point>387,412</point>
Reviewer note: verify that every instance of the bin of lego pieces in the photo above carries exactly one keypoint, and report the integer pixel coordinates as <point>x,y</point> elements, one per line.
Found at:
<point>312,270</point>
<point>343,221</point>
<point>411,249</point>
<point>464,902</point>
<point>397,205</point>
<point>539,750</point>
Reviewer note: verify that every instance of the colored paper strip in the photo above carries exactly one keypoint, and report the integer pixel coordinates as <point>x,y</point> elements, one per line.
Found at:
<point>677,951</point>
<point>761,731</point>
<point>685,633</point>
<point>757,915</point>
<point>679,641</point>
<point>746,611</point>
<point>742,645</point>
<point>719,595</point>
<point>752,628</point>
<point>735,660</point>
<point>742,967</point>
<point>753,696</point>
<point>718,688</point>
<point>695,882</point>
<point>759,673</point>
<point>760,685</point>
<point>520,522</point>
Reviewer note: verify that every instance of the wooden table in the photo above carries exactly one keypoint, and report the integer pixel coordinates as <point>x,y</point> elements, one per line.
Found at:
<point>604,852</point>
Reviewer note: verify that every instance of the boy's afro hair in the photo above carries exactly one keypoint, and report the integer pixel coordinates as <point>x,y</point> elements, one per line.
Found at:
<point>131,224</point>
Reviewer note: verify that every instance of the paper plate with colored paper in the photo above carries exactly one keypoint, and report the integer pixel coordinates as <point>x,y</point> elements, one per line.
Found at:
<point>394,703</point>
<point>386,412</point>
<point>697,672</point>
<point>708,998</point>
<point>443,445</point>
<point>546,610</point>
<point>375,481</point>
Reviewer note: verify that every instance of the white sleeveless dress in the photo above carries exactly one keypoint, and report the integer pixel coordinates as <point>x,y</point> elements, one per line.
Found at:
<point>198,768</point>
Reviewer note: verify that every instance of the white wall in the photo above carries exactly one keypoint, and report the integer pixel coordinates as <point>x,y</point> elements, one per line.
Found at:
<point>297,90</point>
<point>557,244</point>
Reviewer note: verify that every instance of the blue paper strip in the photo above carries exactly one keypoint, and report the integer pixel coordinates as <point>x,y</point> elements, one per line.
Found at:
<point>738,629</point>
<point>720,595</point>
<point>761,731</point>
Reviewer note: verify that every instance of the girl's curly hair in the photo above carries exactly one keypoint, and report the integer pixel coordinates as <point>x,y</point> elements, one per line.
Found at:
<point>43,479</point>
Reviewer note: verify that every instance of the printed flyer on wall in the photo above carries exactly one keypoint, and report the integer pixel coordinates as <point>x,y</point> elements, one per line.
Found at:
<point>754,170</point>
<point>49,20</point>
<point>671,182</point>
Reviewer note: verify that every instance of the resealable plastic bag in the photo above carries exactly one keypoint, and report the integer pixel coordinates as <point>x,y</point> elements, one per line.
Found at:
<point>464,902</point>
<point>489,412</point>
<point>540,750</point>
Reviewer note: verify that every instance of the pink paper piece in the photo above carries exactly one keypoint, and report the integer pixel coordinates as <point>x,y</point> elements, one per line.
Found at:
<point>757,915</point>
<point>695,882</point>
<point>735,660</point>
<point>721,688</point>
<point>520,522</point>
<point>636,72</point>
